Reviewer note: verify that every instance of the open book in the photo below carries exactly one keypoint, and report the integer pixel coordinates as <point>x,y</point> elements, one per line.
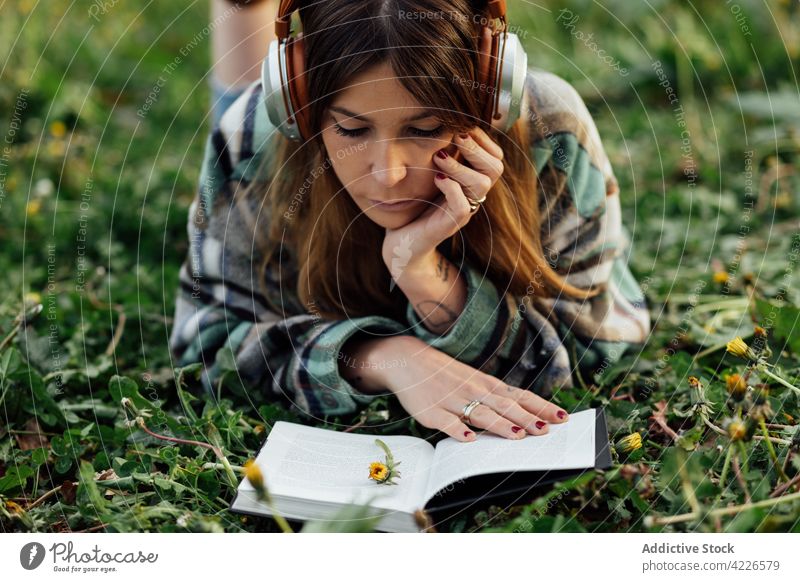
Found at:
<point>312,472</point>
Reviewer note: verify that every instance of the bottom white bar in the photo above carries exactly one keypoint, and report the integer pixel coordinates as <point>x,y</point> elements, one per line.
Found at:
<point>380,558</point>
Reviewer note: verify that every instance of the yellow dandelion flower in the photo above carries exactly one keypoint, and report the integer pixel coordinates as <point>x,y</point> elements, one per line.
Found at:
<point>759,331</point>
<point>254,475</point>
<point>58,129</point>
<point>721,277</point>
<point>14,507</point>
<point>384,472</point>
<point>736,386</point>
<point>630,443</point>
<point>33,207</point>
<point>740,349</point>
<point>378,471</point>
<point>32,297</point>
<point>736,429</point>
<point>694,382</point>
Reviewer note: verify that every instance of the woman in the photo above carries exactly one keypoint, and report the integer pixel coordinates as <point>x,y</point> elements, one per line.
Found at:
<point>327,297</point>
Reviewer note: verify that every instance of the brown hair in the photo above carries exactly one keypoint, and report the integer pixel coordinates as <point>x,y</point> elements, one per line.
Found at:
<point>306,203</point>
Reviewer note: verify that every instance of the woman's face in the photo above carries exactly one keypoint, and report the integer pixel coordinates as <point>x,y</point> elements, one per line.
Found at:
<point>381,141</point>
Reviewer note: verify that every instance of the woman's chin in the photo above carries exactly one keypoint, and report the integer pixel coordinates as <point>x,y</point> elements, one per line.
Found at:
<point>393,220</point>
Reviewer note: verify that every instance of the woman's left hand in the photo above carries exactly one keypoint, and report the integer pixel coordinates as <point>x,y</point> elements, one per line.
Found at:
<point>449,212</point>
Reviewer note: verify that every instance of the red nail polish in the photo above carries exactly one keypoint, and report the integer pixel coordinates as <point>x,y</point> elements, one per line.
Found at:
<point>561,414</point>
<point>467,433</point>
<point>442,154</point>
<point>440,176</point>
<point>540,424</point>
<point>516,428</point>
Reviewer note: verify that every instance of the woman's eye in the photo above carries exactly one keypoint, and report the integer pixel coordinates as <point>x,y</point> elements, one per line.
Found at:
<point>349,132</point>
<point>427,132</point>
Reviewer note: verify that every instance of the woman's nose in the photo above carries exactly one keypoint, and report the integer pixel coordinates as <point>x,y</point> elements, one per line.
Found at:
<point>389,165</point>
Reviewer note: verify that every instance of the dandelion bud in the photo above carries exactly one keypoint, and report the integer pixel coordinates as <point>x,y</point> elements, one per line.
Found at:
<point>386,472</point>
<point>736,429</point>
<point>736,386</point>
<point>254,475</point>
<point>630,443</point>
<point>14,507</point>
<point>721,277</point>
<point>740,349</point>
<point>760,394</point>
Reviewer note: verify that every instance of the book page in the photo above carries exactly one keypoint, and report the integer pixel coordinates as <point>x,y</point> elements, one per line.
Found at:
<point>326,465</point>
<point>566,446</point>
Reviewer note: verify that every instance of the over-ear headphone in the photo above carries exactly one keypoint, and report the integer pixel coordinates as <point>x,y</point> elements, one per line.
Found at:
<point>502,63</point>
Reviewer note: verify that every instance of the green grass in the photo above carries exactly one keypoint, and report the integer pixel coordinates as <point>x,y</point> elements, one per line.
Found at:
<point>69,461</point>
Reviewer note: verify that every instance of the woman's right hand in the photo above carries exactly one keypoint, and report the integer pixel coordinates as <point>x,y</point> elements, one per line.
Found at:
<point>434,388</point>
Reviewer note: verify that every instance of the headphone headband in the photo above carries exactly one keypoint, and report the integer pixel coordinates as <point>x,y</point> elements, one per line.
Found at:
<point>502,68</point>
<point>285,10</point>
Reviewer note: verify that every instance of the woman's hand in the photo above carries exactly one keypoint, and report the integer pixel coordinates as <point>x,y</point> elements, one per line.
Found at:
<point>450,211</point>
<point>434,388</point>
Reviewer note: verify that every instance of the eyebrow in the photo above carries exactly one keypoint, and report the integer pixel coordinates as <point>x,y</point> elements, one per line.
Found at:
<point>343,111</point>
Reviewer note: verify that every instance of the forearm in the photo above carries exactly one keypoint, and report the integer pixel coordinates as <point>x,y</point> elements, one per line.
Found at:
<point>363,362</point>
<point>436,290</point>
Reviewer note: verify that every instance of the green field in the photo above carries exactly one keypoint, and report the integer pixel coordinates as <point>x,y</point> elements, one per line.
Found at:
<point>102,144</point>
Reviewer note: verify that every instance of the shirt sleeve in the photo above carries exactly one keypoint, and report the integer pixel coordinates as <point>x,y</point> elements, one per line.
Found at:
<point>218,304</point>
<point>533,341</point>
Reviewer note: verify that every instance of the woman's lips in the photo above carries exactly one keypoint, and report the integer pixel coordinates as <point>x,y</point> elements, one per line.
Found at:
<point>396,206</point>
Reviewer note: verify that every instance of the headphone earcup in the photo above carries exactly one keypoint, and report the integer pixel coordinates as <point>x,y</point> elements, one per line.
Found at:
<point>275,88</point>
<point>272,87</point>
<point>511,75</point>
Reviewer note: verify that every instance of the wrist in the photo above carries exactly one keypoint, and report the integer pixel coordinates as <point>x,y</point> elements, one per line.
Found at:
<point>416,270</point>
<point>368,363</point>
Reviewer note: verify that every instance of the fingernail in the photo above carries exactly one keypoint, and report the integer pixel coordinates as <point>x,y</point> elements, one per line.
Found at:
<point>463,135</point>
<point>516,428</point>
<point>467,433</point>
<point>540,424</point>
<point>442,154</point>
<point>561,414</point>
<point>440,176</point>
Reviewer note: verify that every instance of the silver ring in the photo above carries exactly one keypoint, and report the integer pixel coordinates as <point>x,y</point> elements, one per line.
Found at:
<point>468,408</point>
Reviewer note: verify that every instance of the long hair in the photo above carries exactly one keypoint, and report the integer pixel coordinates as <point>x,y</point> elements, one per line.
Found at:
<point>341,272</point>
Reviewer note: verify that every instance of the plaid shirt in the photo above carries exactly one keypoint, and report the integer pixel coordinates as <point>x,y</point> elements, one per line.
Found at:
<point>525,340</point>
